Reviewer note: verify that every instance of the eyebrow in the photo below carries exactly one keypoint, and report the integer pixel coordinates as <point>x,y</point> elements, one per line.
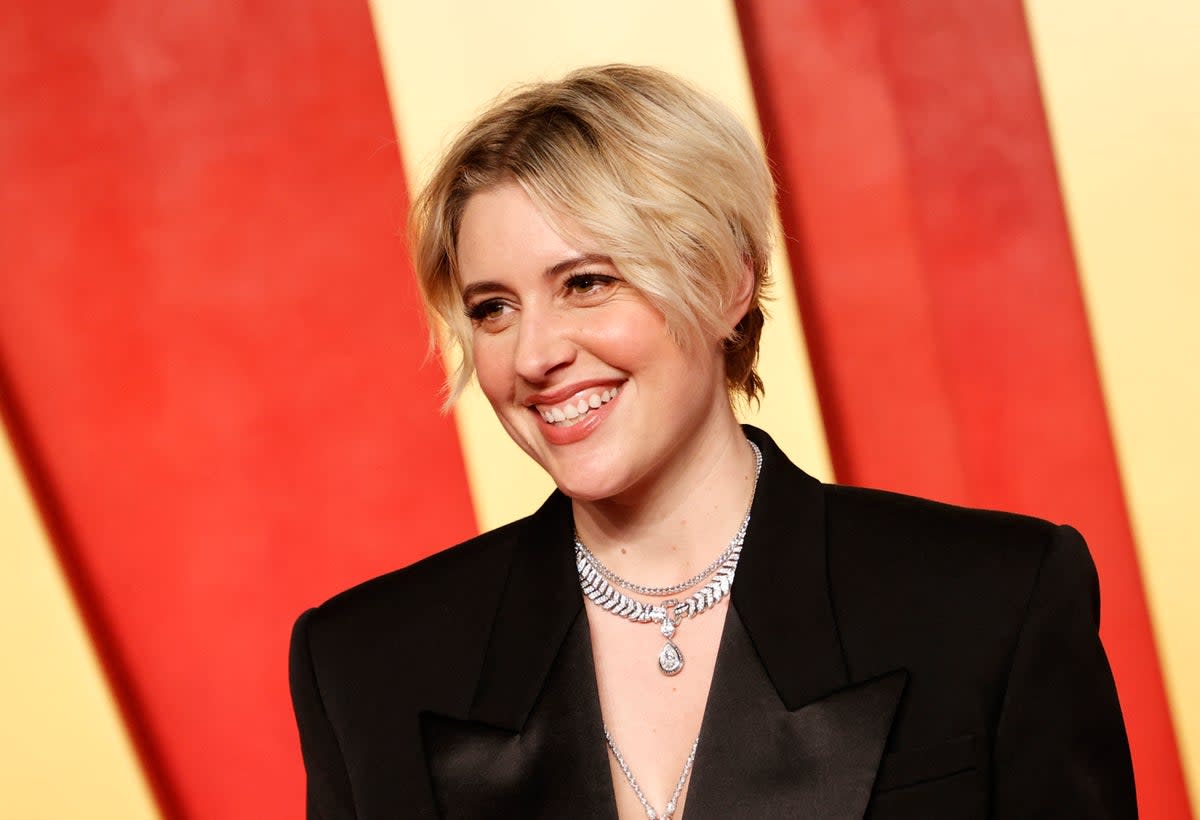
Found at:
<point>577,262</point>
<point>552,272</point>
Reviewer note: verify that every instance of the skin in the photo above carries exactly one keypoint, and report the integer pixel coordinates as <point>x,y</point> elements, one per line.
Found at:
<point>659,477</point>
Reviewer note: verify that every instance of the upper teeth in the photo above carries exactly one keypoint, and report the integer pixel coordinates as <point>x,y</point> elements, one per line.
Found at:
<point>577,406</point>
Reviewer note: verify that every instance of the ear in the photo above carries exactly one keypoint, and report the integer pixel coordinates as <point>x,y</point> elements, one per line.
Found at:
<point>743,294</point>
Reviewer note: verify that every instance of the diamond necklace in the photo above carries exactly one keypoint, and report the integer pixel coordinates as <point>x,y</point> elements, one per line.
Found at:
<point>669,811</point>
<point>660,592</point>
<point>657,592</point>
<point>669,614</point>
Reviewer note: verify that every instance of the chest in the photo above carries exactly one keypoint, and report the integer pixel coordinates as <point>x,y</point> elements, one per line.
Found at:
<point>653,718</point>
<point>756,757</point>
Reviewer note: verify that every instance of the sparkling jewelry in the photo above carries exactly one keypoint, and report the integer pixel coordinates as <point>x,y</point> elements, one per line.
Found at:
<point>669,614</point>
<point>657,592</point>
<point>651,814</point>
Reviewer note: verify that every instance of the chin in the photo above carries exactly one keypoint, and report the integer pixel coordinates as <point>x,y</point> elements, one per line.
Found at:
<point>582,493</point>
<point>596,487</point>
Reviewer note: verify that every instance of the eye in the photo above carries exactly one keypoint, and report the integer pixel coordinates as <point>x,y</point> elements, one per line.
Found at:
<point>589,284</point>
<point>489,312</point>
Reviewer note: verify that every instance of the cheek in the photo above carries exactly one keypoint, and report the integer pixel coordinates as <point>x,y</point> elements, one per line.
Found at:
<point>633,338</point>
<point>493,368</point>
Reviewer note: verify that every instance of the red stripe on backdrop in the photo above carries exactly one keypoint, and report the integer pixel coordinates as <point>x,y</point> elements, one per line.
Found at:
<point>213,355</point>
<point>938,288</point>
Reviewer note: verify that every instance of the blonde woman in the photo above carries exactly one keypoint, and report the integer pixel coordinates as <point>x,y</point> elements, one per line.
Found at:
<point>690,625</point>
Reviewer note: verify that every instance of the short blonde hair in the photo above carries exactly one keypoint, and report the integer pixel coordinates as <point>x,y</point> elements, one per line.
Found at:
<point>629,162</point>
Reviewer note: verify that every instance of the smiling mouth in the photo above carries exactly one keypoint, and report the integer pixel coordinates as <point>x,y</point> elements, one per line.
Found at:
<point>576,409</point>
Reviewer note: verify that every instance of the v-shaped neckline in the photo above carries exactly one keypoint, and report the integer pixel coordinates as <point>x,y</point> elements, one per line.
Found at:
<point>531,742</point>
<point>597,712</point>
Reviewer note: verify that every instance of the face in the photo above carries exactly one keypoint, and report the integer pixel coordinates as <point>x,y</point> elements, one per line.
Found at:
<point>580,368</point>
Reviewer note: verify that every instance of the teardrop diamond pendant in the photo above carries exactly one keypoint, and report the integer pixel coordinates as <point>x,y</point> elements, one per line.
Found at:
<point>670,659</point>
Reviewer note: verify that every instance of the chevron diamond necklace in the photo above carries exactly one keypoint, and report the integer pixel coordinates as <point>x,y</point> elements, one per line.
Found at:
<point>601,586</point>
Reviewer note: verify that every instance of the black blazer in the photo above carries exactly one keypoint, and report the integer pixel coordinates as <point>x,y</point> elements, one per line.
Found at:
<point>884,656</point>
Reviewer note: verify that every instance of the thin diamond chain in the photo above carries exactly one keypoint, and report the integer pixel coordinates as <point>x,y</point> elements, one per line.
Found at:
<point>651,814</point>
<point>668,614</point>
<point>659,592</point>
<point>604,595</point>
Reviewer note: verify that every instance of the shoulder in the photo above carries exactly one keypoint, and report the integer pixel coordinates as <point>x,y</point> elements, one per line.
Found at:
<point>894,545</point>
<point>428,586</point>
<point>433,613</point>
<point>919,563</point>
<point>433,581</point>
<point>942,589</point>
<point>868,531</point>
<point>878,516</point>
<point>873,531</point>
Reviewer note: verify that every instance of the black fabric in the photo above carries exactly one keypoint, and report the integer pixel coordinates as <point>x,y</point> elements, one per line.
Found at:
<point>757,758</point>
<point>548,769</point>
<point>884,656</point>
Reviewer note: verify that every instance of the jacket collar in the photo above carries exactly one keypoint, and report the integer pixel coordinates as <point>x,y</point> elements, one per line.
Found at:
<point>541,601</point>
<point>528,746</point>
<point>795,634</point>
<point>791,624</point>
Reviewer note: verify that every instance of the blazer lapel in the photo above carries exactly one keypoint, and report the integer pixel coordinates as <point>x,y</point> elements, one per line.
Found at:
<point>757,758</point>
<point>786,731</point>
<point>782,586</point>
<point>532,744</point>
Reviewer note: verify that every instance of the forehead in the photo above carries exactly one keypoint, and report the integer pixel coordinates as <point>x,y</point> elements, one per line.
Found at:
<point>503,233</point>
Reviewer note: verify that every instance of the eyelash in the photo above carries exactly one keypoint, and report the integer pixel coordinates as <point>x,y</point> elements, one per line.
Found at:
<point>580,278</point>
<point>588,283</point>
<point>479,312</point>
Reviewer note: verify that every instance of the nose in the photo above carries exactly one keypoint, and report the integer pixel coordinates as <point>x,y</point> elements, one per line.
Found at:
<point>544,345</point>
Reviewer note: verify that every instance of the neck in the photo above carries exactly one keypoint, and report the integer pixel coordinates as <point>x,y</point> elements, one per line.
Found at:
<point>679,520</point>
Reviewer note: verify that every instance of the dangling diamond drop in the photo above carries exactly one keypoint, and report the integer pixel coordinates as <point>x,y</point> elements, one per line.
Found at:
<point>670,659</point>
<point>602,587</point>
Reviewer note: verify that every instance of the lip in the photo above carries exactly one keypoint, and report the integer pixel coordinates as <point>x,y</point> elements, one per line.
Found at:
<point>554,434</point>
<point>567,391</point>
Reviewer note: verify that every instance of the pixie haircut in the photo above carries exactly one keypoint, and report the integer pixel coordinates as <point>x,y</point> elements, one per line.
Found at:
<point>628,162</point>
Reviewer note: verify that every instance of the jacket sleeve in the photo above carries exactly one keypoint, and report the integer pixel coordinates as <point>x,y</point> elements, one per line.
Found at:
<point>1060,746</point>
<point>329,795</point>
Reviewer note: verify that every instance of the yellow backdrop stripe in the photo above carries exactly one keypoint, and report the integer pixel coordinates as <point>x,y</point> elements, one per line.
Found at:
<point>444,61</point>
<point>1119,80</point>
<point>65,751</point>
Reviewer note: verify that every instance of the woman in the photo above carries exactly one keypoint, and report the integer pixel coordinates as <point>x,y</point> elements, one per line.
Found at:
<point>690,626</point>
